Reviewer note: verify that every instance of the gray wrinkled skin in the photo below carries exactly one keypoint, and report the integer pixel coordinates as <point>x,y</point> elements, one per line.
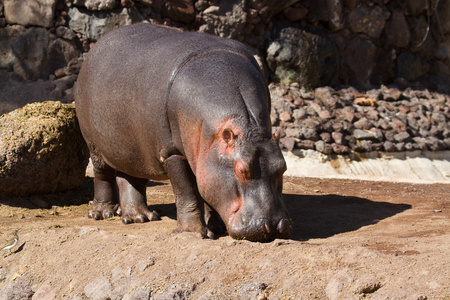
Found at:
<point>153,103</point>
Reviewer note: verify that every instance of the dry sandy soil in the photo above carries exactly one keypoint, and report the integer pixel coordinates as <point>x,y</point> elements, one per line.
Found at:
<point>352,240</point>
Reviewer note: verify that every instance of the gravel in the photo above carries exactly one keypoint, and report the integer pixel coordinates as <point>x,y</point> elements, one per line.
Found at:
<point>344,120</point>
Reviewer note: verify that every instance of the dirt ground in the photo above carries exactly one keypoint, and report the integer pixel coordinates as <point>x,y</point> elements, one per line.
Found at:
<point>351,240</point>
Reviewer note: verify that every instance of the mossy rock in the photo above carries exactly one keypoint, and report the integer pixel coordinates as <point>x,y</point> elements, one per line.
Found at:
<point>41,150</point>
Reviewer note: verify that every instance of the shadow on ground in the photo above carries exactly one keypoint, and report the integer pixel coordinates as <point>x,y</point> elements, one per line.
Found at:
<point>79,196</point>
<point>322,216</point>
<point>314,216</point>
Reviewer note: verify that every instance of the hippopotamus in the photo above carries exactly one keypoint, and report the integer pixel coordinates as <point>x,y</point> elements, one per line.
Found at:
<point>155,103</point>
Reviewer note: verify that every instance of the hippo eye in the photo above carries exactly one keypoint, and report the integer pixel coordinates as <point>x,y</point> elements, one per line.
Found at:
<point>242,171</point>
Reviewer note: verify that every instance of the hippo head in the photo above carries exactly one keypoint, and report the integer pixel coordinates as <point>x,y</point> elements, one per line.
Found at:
<point>241,177</point>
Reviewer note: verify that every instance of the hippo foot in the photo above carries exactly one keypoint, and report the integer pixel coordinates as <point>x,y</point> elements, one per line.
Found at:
<point>138,215</point>
<point>101,211</point>
<point>203,231</point>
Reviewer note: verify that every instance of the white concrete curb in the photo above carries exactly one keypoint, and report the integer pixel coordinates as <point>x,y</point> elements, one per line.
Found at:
<point>414,166</point>
<point>417,167</point>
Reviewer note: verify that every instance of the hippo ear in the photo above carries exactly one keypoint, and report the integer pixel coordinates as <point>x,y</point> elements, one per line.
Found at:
<point>276,136</point>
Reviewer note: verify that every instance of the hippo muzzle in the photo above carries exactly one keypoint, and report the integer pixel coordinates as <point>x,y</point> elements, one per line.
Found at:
<point>261,216</point>
<point>247,226</point>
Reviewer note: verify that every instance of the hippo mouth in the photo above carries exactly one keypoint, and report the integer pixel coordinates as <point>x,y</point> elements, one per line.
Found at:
<point>261,230</point>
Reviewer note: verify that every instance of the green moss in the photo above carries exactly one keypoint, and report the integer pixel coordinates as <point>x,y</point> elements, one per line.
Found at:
<point>287,77</point>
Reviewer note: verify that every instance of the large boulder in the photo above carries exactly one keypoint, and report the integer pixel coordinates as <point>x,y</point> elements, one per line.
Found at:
<point>95,4</point>
<point>360,61</point>
<point>30,12</point>
<point>368,19</point>
<point>227,19</point>
<point>331,11</point>
<point>444,14</point>
<point>297,55</point>
<point>93,25</point>
<point>396,33</point>
<point>41,150</point>
<point>175,10</point>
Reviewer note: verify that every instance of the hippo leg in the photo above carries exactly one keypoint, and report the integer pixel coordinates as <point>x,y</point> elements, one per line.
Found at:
<point>190,205</point>
<point>133,201</point>
<point>106,200</point>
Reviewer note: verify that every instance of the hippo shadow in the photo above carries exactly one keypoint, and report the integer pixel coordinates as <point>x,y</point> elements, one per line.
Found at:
<point>164,210</point>
<point>322,216</point>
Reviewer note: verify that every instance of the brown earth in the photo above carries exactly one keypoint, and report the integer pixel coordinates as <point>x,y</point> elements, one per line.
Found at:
<point>352,240</point>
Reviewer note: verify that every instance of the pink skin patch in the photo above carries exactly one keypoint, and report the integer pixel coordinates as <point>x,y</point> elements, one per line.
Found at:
<point>242,171</point>
<point>223,143</point>
<point>233,209</point>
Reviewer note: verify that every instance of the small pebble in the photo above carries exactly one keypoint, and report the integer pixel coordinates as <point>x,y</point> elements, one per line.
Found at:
<point>86,230</point>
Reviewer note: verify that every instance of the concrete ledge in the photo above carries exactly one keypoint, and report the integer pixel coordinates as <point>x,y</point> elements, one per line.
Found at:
<point>414,166</point>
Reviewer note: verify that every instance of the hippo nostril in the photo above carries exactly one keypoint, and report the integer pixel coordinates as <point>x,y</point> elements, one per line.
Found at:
<point>283,227</point>
<point>267,227</point>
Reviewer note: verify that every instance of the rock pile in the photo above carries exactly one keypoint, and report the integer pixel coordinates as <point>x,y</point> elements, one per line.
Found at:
<point>338,121</point>
<point>41,150</point>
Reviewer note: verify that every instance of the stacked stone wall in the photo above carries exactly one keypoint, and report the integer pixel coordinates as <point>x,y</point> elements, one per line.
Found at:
<point>356,42</point>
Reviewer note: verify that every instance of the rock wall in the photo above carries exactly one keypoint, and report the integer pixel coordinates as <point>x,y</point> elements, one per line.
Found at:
<point>313,43</point>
